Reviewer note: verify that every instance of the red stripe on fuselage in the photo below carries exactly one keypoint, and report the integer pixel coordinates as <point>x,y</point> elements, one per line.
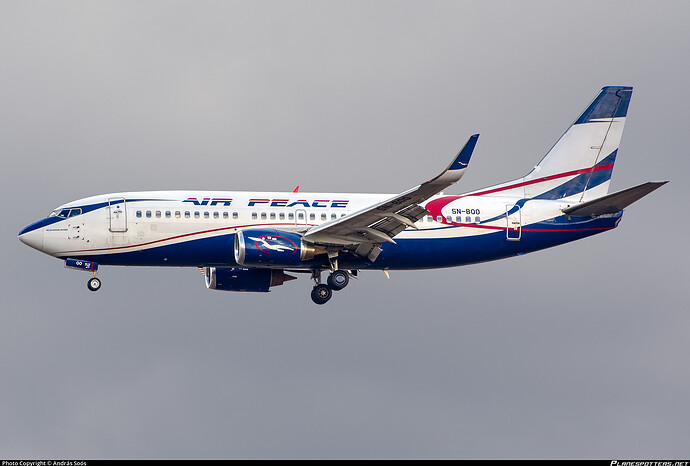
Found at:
<point>258,225</point>
<point>541,180</point>
<point>433,204</point>
<point>434,207</point>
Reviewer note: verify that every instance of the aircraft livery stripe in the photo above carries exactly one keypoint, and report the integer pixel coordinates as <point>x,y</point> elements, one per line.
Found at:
<point>435,206</point>
<point>176,237</point>
<point>496,227</point>
<point>541,180</point>
<point>187,235</point>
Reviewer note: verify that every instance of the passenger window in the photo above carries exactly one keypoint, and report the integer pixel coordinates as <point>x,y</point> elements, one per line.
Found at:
<point>254,217</point>
<point>334,216</point>
<point>177,214</point>
<point>342,215</point>
<point>197,214</point>
<point>281,215</point>
<point>167,214</point>
<point>207,215</point>
<point>158,214</point>
<point>234,215</point>
<point>148,214</point>
<point>429,218</point>
<point>439,219</point>
<point>216,215</point>
<point>458,219</point>
<point>291,216</point>
<point>468,219</point>
<point>312,216</point>
<point>449,219</point>
<point>323,217</point>
<point>263,215</point>
<point>138,213</point>
<point>477,220</point>
<point>300,216</point>
<point>225,215</point>
<point>273,215</point>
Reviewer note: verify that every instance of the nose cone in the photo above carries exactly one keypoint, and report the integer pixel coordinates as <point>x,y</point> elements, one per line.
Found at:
<point>32,235</point>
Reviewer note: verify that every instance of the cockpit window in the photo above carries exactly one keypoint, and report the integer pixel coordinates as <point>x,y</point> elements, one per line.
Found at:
<point>65,213</point>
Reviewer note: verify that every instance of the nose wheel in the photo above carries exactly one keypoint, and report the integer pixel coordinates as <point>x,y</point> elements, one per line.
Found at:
<point>94,284</point>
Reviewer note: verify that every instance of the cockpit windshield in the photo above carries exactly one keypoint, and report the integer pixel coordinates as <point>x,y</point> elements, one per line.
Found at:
<point>65,213</point>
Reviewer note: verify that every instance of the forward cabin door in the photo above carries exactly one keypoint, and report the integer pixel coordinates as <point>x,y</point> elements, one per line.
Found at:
<point>117,211</point>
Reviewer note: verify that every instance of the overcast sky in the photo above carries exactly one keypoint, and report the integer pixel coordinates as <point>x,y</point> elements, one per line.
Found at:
<point>581,351</point>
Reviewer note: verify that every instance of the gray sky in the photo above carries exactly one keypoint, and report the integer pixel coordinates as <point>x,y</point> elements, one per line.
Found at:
<point>575,352</point>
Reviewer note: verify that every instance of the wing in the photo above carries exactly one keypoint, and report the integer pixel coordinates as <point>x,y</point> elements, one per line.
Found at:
<point>366,229</point>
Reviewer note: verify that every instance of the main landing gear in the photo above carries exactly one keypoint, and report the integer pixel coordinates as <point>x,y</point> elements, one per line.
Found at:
<point>321,293</point>
<point>336,281</point>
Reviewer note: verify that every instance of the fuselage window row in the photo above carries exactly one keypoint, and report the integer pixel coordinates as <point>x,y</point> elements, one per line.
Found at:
<point>216,215</point>
<point>178,214</point>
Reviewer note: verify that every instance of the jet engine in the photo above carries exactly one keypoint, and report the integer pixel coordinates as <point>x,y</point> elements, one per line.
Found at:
<point>240,279</point>
<point>270,247</point>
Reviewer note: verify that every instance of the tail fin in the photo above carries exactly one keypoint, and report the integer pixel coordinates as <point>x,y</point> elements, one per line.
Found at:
<point>580,164</point>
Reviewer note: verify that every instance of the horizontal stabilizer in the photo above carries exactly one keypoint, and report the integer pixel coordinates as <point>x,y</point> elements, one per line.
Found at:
<point>615,202</point>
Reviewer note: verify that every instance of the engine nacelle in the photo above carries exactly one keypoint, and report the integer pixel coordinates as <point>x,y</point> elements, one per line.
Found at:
<point>270,247</point>
<point>239,279</point>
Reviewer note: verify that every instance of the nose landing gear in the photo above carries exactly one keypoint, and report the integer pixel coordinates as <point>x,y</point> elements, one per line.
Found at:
<point>94,284</point>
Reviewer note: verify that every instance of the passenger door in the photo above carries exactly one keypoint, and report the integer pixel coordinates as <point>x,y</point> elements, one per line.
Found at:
<point>513,222</point>
<point>117,211</point>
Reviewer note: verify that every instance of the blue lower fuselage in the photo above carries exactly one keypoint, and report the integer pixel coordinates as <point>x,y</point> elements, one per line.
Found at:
<point>407,253</point>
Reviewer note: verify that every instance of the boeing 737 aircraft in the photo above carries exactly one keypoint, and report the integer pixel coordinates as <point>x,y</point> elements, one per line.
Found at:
<point>247,241</point>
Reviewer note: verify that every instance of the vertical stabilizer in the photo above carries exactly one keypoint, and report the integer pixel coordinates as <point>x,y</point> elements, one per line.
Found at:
<point>580,164</point>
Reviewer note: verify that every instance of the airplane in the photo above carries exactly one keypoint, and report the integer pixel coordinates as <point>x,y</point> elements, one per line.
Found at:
<point>252,241</point>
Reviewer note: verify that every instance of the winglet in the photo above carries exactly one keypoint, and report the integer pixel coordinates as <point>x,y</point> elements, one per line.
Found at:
<point>463,157</point>
<point>457,167</point>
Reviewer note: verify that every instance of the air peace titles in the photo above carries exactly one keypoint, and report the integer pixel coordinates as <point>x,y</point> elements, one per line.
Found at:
<point>288,203</point>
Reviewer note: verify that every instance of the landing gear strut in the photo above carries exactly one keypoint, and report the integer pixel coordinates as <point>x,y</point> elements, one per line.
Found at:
<point>94,284</point>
